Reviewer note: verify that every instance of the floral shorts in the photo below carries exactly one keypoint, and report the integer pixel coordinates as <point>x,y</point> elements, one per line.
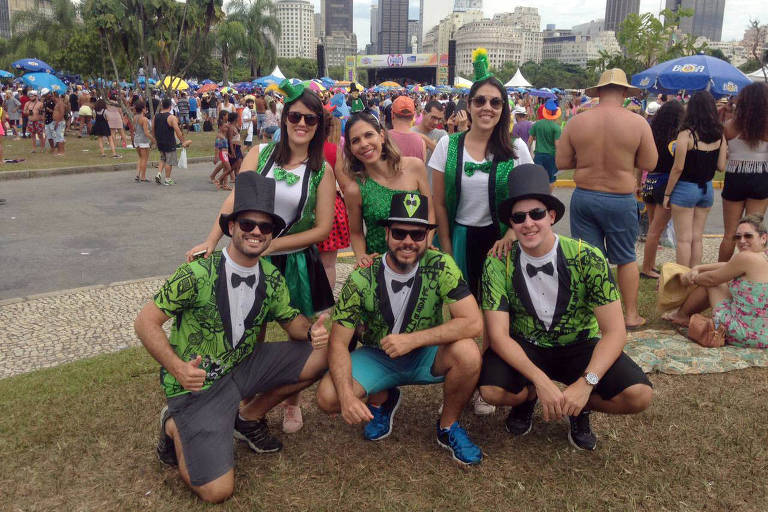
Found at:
<point>36,127</point>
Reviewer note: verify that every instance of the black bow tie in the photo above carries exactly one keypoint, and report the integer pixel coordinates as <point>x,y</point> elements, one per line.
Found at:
<point>398,285</point>
<point>548,269</point>
<point>237,279</point>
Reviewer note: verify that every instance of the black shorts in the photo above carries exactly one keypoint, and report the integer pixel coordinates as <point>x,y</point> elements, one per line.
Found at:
<point>740,186</point>
<point>206,419</point>
<point>562,364</point>
<point>654,186</point>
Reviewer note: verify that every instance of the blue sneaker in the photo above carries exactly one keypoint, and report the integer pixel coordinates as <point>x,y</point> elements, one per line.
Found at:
<point>381,424</point>
<point>460,445</point>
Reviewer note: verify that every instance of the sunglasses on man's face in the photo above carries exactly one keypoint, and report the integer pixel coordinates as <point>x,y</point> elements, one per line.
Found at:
<point>535,214</point>
<point>417,235</point>
<point>247,226</point>
<point>495,101</point>
<point>309,119</point>
<point>747,236</point>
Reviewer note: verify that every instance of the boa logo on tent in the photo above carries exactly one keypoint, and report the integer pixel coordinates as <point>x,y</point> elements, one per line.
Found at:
<point>395,61</point>
<point>688,68</point>
<point>730,87</point>
<point>645,81</point>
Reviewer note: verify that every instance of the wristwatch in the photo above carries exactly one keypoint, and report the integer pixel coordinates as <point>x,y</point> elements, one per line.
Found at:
<point>591,378</point>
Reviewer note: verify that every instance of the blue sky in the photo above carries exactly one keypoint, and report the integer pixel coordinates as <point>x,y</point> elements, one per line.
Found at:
<point>566,13</point>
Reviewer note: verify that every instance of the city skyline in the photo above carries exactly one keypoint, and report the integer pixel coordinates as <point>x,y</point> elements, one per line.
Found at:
<point>566,14</point>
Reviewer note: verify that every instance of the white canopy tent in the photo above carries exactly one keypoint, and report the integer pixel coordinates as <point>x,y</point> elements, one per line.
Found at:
<point>758,76</point>
<point>276,72</point>
<point>461,81</point>
<point>518,80</point>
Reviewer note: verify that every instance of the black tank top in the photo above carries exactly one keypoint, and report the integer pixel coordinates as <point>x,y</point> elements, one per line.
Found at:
<point>665,161</point>
<point>700,165</point>
<point>166,140</point>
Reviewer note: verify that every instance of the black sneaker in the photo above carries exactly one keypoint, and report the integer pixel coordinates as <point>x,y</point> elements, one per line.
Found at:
<point>256,434</point>
<point>166,451</point>
<point>520,419</point>
<point>580,435</point>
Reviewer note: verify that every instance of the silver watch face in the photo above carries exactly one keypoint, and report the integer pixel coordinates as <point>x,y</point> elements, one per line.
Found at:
<point>592,378</point>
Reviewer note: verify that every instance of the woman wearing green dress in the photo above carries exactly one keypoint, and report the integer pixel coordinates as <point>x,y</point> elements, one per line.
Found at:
<point>375,172</point>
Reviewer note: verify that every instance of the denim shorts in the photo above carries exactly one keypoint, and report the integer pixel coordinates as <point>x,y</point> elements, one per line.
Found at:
<point>692,195</point>
<point>606,221</point>
<point>547,161</point>
<point>376,371</point>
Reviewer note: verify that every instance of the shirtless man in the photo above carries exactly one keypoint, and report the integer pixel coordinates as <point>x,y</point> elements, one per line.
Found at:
<point>34,109</point>
<point>83,98</point>
<point>59,113</point>
<point>608,146</point>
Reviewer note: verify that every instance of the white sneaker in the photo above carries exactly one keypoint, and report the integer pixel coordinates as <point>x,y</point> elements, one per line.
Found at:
<point>292,420</point>
<point>481,407</point>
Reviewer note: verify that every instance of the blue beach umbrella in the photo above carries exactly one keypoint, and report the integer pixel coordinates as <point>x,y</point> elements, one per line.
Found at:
<point>33,65</point>
<point>40,80</point>
<point>693,73</point>
<point>5,74</point>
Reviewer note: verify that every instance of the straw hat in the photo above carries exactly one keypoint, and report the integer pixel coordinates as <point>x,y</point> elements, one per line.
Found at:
<point>613,76</point>
<point>672,291</point>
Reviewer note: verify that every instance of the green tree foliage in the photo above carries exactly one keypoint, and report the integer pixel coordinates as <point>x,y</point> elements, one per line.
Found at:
<point>298,68</point>
<point>41,35</point>
<point>717,53</point>
<point>230,39</point>
<point>259,17</point>
<point>549,73</point>
<point>336,72</point>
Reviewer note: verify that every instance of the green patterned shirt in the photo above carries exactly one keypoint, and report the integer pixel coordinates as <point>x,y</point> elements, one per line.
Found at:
<point>198,302</point>
<point>364,300</point>
<point>585,282</point>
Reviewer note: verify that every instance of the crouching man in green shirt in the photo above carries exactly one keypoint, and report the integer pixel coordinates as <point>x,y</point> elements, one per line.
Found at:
<point>399,301</point>
<point>552,313</point>
<point>214,358</point>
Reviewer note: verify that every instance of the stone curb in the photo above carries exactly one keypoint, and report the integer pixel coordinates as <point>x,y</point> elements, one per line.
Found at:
<point>44,173</point>
<point>69,291</point>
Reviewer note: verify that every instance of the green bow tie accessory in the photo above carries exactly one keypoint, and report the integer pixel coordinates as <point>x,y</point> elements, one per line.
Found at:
<point>471,167</point>
<point>288,177</point>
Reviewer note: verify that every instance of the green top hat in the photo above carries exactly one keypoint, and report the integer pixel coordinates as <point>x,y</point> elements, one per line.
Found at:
<point>480,64</point>
<point>292,92</point>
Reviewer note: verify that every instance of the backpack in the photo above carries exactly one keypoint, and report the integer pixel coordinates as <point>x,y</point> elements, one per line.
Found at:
<point>207,126</point>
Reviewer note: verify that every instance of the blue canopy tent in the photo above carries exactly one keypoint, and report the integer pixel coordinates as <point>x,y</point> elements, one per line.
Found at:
<point>541,93</point>
<point>32,65</point>
<point>5,74</point>
<point>266,81</point>
<point>47,80</point>
<point>692,73</point>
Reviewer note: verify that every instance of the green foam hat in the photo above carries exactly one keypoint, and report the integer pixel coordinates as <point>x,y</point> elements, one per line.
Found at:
<point>291,91</point>
<point>480,64</point>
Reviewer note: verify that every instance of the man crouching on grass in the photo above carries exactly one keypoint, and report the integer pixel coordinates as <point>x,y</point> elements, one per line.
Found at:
<point>399,299</point>
<point>214,359</point>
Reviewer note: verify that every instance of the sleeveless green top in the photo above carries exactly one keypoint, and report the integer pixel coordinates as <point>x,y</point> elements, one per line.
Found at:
<point>376,199</point>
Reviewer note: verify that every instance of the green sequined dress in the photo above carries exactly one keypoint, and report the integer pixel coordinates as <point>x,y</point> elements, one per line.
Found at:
<point>376,199</point>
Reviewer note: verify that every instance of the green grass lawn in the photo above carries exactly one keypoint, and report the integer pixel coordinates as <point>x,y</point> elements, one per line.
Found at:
<point>85,152</point>
<point>81,437</point>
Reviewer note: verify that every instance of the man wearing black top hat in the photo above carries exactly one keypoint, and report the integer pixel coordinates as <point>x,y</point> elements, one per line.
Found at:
<point>214,357</point>
<point>552,313</point>
<point>399,301</point>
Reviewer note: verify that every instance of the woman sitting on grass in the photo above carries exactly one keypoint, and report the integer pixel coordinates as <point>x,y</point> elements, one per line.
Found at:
<point>736,290</point>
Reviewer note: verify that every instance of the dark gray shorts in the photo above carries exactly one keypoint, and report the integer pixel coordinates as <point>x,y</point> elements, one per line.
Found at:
<point>170,158</point>
<point>206,419</point>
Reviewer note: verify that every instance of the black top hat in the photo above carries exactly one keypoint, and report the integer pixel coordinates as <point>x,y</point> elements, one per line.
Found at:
<point>529,181</point>
<point>409,208</point>
<point>253,192</point>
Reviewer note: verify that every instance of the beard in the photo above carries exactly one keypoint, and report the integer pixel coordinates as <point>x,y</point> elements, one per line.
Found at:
<point>239,243</point>
<point>405,264</point>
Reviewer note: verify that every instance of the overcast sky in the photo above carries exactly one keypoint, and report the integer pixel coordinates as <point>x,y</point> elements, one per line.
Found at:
<point>566,13</point>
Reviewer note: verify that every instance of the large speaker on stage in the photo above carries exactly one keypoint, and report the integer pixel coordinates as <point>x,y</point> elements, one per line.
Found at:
<point>321,61</point>
<point>451,61</point>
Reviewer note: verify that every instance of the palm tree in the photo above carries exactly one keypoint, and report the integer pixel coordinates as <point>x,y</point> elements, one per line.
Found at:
<point>230,39</point>
<point>259,17</point>
<point>43,33</point>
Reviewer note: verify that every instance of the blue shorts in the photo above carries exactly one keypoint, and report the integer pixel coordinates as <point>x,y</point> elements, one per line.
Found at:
<point>376,371</point>
<point>547,161</point>
<point>607,221</point>
<point>692,195</point>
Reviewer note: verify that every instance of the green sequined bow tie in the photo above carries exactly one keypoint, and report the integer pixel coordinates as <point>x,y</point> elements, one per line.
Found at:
<point>288,177</point>
<point>471,167</point>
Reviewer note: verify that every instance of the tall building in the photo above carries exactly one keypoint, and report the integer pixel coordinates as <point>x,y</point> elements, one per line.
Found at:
<point>436,40</point>
<point>466,5</point>
<point>297,19</point>
<point>413,36</point>
<point>319,25</point>
<point>578,49</point>
<point>8,8</point>
<point>375,23</point>
<point>431,12</point>
<point>707,19</point>
<point>589,28</point>
<point>393,35</point>
<point>337,46</point>
<point>617,10</point>
<point>338,16</point>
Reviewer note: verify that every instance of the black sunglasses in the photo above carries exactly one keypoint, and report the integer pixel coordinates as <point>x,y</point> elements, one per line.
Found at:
<point>495,101</point>
<point>747,236</point>
<point>417,235</point>
<point>309,119</point>
<point>247,225</point>
<point>535,214</point>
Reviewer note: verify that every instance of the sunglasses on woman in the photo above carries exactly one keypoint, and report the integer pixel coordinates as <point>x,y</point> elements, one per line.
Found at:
<point>747,236</point>
<point>417,235</point>
<point>535,214</point>
<point>247,226</point>
<point>309,119</point>
<point>480,101</point>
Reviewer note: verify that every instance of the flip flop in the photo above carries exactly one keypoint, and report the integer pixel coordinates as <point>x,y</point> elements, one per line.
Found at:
<point>640,326</point>
<point>643,275</point>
